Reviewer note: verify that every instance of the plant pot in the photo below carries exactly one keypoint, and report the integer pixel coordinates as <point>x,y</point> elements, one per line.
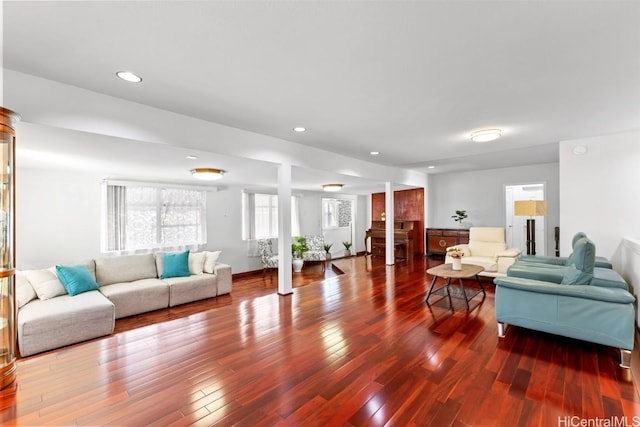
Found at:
<point>456,263</point>
<point>347,253</point>
<point>328,256</point>
<point>297,265</point>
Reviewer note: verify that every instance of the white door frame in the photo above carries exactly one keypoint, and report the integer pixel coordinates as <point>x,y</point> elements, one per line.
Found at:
<point>516,225</point>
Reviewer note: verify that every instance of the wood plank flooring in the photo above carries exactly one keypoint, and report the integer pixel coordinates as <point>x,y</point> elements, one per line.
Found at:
<point>357,349</point>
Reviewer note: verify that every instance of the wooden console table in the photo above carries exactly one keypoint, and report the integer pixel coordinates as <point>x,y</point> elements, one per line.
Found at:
<point>439,239</point>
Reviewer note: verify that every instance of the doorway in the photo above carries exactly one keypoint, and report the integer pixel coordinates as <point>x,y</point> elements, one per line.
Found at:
<point>516,231</point>
<point>337,223</point>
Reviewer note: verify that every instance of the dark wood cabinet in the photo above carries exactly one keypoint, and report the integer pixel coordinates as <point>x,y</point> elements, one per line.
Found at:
<point>439,239</point>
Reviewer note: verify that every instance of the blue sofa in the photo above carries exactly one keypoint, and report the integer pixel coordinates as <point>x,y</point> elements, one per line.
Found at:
<point>578,301</point>
<point>601,262</point>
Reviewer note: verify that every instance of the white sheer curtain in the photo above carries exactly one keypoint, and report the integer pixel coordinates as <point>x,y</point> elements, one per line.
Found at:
<point>144,219</point>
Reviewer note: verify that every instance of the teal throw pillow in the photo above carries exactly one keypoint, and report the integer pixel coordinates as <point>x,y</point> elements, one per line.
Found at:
<point>175,265</point>
<point>76,279</point>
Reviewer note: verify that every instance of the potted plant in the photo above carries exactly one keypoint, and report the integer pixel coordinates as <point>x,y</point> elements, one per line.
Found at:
<point>459,216</point>
<point>327,249</point>
<point>298,248</point>
<point>347,248</point>
<point>456,255</point>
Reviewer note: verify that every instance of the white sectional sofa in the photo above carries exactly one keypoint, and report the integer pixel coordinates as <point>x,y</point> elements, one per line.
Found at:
<point>49,318</point>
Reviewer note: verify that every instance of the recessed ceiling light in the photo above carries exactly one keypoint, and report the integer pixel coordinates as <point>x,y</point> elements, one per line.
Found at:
<point>191,157</point>
<point>299,129</point>
<point>374,153</point>
<point>431,167</point>
<point>207,174</point>
<point>129,76</point>
<point>485,135</point>
<point>332,187</point>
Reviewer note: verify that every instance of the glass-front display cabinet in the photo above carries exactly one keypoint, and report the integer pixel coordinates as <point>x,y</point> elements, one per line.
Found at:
<point>8,309</point>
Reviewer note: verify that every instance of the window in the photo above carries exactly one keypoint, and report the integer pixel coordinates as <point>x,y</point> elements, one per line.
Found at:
<point>336,213</point>
<point>260,212</point>
<point>141,217</point>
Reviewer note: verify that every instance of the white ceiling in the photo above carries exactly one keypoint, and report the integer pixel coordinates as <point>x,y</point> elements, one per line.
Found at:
<point>408,79</point>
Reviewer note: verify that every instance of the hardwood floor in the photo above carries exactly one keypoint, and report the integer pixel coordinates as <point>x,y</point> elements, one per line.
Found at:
<point>356,349</point>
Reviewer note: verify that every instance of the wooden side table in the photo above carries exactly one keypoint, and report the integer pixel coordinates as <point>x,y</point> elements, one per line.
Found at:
<point>446,272</point>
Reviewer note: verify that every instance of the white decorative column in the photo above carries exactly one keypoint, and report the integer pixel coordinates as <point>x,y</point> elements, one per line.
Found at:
<point>390,255</point>
<point>285,286</point>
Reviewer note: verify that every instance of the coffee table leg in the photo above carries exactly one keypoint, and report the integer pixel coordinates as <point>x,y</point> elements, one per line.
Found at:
<point>481,287</point>
<point>464,292</point>
<point>449,293</point>
<point>433,282</point>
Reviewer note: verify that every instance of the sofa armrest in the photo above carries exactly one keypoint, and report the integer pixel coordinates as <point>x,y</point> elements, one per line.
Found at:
<point>511,252</point>
<point>534,272</point>
<point>541,259</point>
<point>614,295</point>
<point>224,281</point>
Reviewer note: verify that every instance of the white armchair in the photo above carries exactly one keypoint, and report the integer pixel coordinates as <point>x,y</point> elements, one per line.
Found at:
<point>487,248</point>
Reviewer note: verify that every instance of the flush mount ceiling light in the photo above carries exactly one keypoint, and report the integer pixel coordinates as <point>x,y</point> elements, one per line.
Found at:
<point>129,76</point>
<point>485,135</point>
<point>332,187</point>
<point>299,129</point>
<point>191,157</point>
<point>374,153</point>
<point>207,174</point>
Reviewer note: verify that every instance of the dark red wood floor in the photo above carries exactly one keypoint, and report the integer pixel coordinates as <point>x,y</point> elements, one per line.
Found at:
<point>356,349</point>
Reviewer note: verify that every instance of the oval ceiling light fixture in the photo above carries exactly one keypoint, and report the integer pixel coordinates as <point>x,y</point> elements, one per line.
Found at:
<point>299,129</point>
<point>129,76</point>
<point>332,187</point>
<point>374,153</point>
<point>207,174</point>
<point>431,167</point>
<point>190,157</point>
<point>486,135</point>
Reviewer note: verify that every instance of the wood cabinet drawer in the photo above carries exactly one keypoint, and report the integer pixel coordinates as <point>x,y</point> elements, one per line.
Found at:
<point>439,239</point>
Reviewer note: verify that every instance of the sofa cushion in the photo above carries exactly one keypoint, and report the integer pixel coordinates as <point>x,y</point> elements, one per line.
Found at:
<point>45,282</point>
<point>196,262</point>
<point>488,263</point>
<point>584,255</point>
<point>175,265</point>
<point>138,296</point>
<point>24,290</point>
<point>193,288</point>
<point>210,261</point>
<point>56,322</point>
<point>76,279</point>
<point>486,249</point>
<point>573,276</point>
<point>126,268</point>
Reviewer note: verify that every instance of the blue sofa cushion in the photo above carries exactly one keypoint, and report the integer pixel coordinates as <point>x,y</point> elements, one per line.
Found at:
<point>573,276</point>
<point>584,253</point>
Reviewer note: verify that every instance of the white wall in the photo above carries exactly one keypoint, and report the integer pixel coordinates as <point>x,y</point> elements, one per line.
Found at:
<point>482,195</point>
<point>629,266</point>
<point>599,192</point>
<point>58,217</point>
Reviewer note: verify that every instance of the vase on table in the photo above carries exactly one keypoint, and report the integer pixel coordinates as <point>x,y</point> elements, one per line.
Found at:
<point>456,263</point>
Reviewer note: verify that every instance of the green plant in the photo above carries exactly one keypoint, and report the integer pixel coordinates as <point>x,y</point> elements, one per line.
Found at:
<point>347,245</point>
<point>299,246</point>
<point>327,247</point>
<point>459,216</point>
